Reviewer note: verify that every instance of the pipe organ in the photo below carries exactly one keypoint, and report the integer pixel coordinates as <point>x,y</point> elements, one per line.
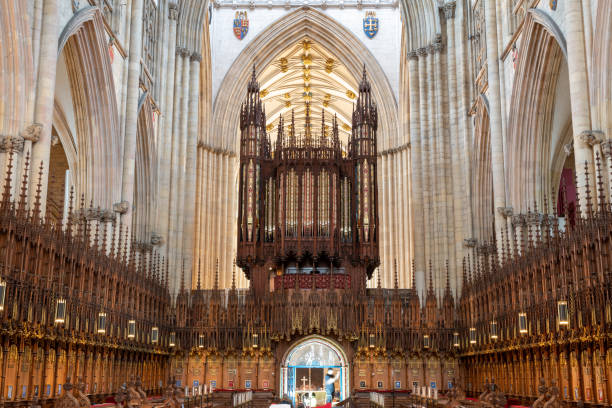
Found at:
<point>308,201</point>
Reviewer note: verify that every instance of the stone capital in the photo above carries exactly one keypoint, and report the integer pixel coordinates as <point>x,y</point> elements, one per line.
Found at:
<point>422,52</point>
<point>32,132</point>
<point>140,246</point>
<point>568,148</point>
<point>156,239</point>
<point>107,215</point>
<point>183,52</point>
<point>606,148</point>
<point>591,137</point>
<point>413,55</point>
<point>505,211</point>
<point>11,143</point>
<point>519,220</point>
<point>173,11</point>
<point>470,242</point>
<point>196,56</point>
<point>121,207</point>
<point>449,10</point>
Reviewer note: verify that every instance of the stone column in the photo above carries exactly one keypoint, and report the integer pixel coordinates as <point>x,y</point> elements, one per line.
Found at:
<point>463,122</point>
<point>190,166</point>
<point>416,164</point>
<point>131,117</point>
<point>424,234</point>
<point>165,165</point>
<point>579,94</point>
<point>432,168</point>
<point>174,262</point>
<point>497,148</point>
<point>456,152</point>
<point>43,110</point>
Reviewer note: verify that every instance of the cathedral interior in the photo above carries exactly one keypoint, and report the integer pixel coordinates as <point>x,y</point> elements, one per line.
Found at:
<point>305,203</point>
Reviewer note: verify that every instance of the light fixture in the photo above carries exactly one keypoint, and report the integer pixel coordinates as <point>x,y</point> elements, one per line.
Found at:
<point>456,339</point>
<point>2,293</point>
<point>472,335</point>
<point>563,312</point>
<point>201,341</point>
<point>522,322</point>
<point>426,341</point>
<point>172,339</point>
<point>101,323</point>
<point>255,340</point>
<point>494,335</point>
<point>60,311</point>
<point>131,329</point>
<point>372,340</point>
<point>154,335</point>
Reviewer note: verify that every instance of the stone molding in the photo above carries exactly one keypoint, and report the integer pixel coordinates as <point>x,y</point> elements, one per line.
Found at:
<point>196,56</point>
<point>422,52</point>
<point>568,148</point>
<point>413,55</point>
<point>216,150</point>
<point>183,52</point>
<point>323,4</point>
<point>394,150</point>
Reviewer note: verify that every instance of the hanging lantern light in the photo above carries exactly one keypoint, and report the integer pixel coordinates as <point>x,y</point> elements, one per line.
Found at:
<point>101,323</point>
<point>426,341</point>
<point>522,322</point>
<point>255,340</point>
<point>201,341</point>
<point>172,339</point>
<point>154,335</point>
<point>131,329</point>
<point>455,339</point>
<point>60,311</point>
<point>472,335</point>
<point>2,293</point>
<point>563,312</point>
<point>494,334</point>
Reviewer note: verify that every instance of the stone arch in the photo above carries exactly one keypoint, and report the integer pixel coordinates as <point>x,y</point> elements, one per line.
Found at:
<point>280,34</point>
<point>529,142</point>
<point>84,47</point>
<point>482,175</point>
<point>145,190</point>
<point>601,85</point>
<point>325,342</point>
<point>421,21</point>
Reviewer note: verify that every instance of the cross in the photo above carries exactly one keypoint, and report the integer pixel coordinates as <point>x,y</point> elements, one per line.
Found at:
<point>304,379</point>
<point>371,25</point>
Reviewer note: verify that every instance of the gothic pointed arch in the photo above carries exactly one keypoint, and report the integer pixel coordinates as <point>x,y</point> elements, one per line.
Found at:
<point>482,176</point>
<point>145,191</point>
<point>84,47</point>
<point>533,149</point>
<point>279,35</point>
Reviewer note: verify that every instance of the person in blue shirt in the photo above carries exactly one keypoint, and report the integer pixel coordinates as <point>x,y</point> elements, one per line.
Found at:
<point>330,381</point>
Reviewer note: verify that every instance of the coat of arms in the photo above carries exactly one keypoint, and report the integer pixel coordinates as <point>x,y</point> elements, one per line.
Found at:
<point>553,5</point>
<point>370,24</point>
<point>241,25</point>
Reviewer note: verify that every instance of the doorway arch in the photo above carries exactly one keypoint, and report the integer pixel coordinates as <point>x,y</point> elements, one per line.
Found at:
<point>313,353</point>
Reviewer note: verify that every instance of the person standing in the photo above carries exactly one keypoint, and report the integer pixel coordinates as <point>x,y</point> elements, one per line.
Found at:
<point>330,384</point>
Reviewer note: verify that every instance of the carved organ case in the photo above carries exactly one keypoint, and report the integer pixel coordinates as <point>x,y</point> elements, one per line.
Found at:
<point>308,201</point>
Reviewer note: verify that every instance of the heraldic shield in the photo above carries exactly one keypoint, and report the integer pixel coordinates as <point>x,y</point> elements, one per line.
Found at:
<point>370,24</point>
<point>241,25</point>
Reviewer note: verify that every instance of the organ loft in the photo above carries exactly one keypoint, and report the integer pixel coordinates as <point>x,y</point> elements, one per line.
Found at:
<point>308,202</point>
